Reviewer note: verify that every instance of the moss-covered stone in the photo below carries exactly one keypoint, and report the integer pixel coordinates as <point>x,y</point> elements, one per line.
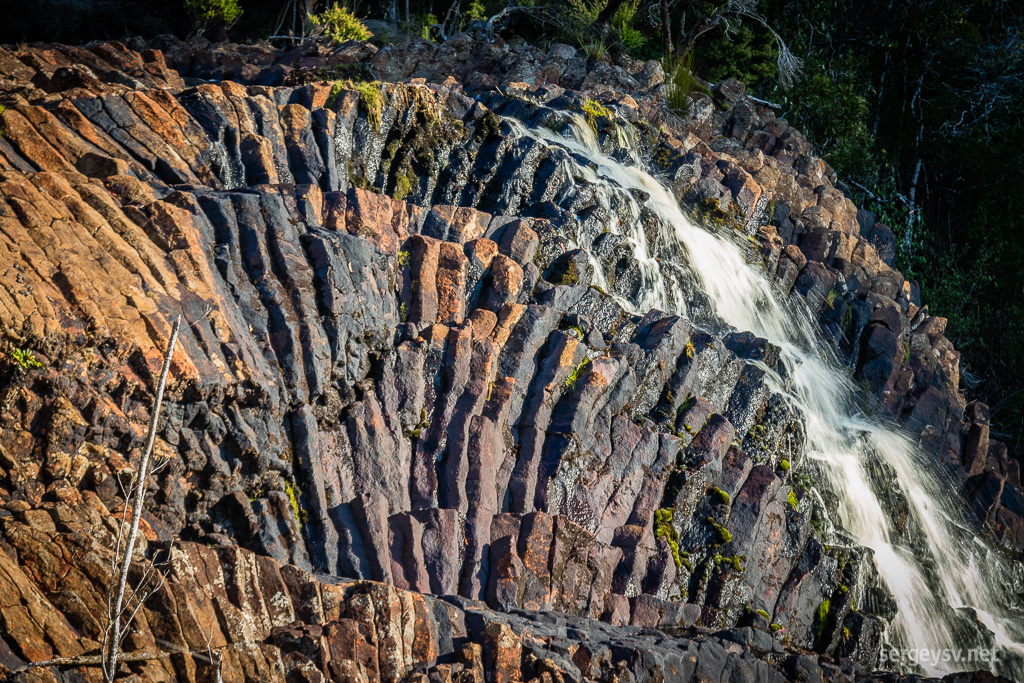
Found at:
<point>595,114</point>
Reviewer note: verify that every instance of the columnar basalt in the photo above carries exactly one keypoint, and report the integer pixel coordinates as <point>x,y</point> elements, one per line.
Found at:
<point>401,375</point>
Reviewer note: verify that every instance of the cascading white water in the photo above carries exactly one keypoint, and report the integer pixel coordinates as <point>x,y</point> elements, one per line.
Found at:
<point>947,589</point>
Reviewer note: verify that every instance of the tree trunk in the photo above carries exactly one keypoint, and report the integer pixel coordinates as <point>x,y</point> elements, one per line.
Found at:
<point>606,15</point>
<point>666,25</point>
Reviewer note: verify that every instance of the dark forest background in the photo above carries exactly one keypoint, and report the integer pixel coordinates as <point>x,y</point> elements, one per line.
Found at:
<point>917,106</point>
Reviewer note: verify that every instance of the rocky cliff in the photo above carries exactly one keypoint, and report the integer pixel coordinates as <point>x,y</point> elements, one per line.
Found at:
<point>413,432</point>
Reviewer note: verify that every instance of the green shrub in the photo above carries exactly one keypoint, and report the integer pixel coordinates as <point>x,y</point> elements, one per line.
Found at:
<point>425,22</point>
<point>208,13</point>
<point>747,53</point>
<point>339,24</point>
<point>631,38</point>
<point>829,106</point>
<point>475,11</point>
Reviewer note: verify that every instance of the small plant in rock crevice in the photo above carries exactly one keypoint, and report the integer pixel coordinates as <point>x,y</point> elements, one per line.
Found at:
<point>824,608</point>
<point>722,496</point>
<point>424,423</point>
<point>570,381</point>
<point>292,491</point>
<point>722,534</point>
<point>25,359</point>
<point>332,98</point>
<point>663,529</point>
<point>682,86</point>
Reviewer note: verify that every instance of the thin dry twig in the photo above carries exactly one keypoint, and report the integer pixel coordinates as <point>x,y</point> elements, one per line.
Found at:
<point>113,633</point>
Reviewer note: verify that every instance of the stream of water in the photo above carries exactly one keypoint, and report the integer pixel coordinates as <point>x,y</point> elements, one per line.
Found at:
<point>949,587</point>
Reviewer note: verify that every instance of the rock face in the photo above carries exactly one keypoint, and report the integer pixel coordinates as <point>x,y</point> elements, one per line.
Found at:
<point>399,375</point>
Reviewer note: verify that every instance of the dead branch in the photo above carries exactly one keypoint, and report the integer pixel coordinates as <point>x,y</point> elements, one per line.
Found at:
<point>112,635</point>
<point>96,660</point>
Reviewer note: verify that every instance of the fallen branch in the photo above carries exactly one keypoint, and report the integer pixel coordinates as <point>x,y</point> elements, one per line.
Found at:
<point>764,102</point>
<point>96,660</point>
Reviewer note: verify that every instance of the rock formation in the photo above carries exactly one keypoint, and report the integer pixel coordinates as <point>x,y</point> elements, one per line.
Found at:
<point>410,435</point>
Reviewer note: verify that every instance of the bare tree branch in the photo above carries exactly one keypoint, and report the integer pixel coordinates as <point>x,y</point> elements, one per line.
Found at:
<point>112,635</point>
<point>96,660</point>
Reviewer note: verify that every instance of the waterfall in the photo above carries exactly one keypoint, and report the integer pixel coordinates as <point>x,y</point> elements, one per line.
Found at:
<point>949,588</point>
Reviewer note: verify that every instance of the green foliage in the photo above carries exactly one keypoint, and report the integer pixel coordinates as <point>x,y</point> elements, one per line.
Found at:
<point>403,258</point>
<point>371,100</point>
<point>722,496</point>
<point>792,499</point>
<point>747,53</point>
<point>25,359</point>
<point>475,11</point>
<point>425,22</point>
<point>575,18</point>
<point>208,13</point>
<point>761,613</point>
<point>784,465</point>
<point>689,351</point>
<point>570,381</point>
<point>594,48</point>
<point>829,106</point>
<point>710,213</point>
<point>339,25</point>
<point>623,22</point>
<point>569,276</point>
<point>336,89</point>
<point>682,86</point>
<point>734,561</point>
